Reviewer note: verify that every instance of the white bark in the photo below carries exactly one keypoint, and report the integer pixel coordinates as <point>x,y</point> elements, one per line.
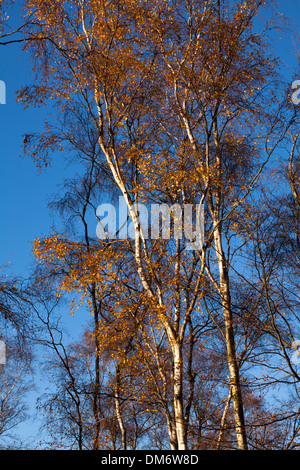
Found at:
<point>178,402</point>
<point>230,342</point>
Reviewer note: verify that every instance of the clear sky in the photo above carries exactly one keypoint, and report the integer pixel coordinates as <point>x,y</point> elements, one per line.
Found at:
<point>23,194</point>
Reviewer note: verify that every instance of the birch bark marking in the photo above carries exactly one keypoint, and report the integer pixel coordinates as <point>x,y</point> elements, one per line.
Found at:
<point>178,402</point>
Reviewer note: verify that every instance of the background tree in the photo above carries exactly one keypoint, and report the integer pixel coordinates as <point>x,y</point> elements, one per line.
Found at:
<point>15,383</point>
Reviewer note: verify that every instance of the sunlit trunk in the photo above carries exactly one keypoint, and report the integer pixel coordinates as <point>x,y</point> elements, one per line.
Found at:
<point>178,397</point>
<point>230,343</point>
<point>118,410</point>
<point>223,421</point>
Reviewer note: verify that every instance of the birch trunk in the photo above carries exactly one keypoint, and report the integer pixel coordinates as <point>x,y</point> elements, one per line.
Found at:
<point>178,397</point>
<point>230,343</point>
<point>172,434</point>
<point>140,247</point>
<point>223,420</point>
<point>118,410</point>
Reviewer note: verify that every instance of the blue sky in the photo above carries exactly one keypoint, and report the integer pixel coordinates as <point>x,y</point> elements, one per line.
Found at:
<point>23,194</point>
